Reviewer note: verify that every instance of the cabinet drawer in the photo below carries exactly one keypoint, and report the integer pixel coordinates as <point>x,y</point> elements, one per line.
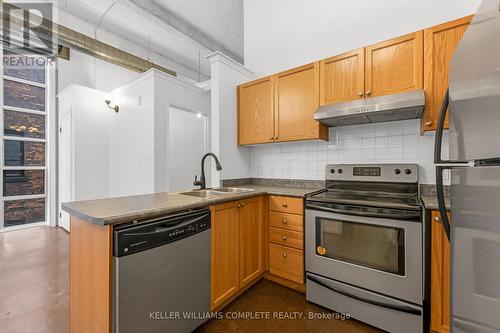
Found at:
<point>286,221</point>
<point>286,262</point>
<point>286,204</point>
<point>286,237</point>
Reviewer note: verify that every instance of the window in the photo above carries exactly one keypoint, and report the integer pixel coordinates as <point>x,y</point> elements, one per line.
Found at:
<point>24,140</point>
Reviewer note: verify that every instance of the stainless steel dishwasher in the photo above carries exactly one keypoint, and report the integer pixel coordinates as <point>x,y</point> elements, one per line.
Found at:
<point>161,271</point>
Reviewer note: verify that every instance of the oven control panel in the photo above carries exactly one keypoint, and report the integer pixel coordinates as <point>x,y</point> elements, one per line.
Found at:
<point>366,171</point>
<point>406,173</point>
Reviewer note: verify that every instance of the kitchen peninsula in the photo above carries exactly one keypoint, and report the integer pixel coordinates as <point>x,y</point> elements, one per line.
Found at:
<point>239,223</point>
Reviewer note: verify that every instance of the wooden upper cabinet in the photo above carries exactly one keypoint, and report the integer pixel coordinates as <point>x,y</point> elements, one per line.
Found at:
<point>342,78</point>
<point>395,65</point>
<point>440,276</point>
<point>225,253</point>
<point>251,238</point>
<point>440,43</point>
<point>256,111</point>
<point>296,100</point>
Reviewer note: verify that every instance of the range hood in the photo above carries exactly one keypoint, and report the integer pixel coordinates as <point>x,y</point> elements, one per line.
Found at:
<point>407,105</point>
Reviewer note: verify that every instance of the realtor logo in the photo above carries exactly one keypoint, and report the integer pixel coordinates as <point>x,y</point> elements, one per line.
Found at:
<point>28,27</point>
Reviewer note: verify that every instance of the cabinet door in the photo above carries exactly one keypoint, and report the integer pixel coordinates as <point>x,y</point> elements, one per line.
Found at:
<point>256,112</point>
<point>440,276</point>
<point>296,100</point>
<point>251,234</point>
<point>440,43</point>
<point>225,253</point>
<point>342,78</point>
<point>395,65</point>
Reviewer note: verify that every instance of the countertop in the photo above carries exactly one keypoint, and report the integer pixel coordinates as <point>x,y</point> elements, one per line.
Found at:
<point>430,202</point>
<point>429,197</point>
<point>124,209</point>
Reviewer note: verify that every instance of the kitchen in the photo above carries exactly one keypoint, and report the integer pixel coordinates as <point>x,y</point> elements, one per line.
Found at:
<point>333,174</point>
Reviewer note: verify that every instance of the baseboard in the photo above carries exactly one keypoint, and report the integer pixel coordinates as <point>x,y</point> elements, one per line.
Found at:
<point>285,282</point>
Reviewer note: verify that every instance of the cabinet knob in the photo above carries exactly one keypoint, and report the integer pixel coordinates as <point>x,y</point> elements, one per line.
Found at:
<point>437,219</point>
<point>284,204</point>
<point>284,255</point>
<point>242,204</point>
<point>429,123</point>
<point>368,93</point>
<point>284,222</point>
<point>272,138</point>
<point>284,238</point>
<point>360,94</point>
<point>238,206</point>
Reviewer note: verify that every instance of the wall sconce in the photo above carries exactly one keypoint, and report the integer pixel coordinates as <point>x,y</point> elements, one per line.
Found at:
<point>116,108</point>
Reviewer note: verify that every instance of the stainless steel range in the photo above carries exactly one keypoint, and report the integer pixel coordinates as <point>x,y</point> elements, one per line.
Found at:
<point>364,247</point>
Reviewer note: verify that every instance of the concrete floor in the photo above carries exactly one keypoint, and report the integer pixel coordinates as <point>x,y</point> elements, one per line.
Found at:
<point>269,297</point>
<point>34,282</point>
<point>34,268</point>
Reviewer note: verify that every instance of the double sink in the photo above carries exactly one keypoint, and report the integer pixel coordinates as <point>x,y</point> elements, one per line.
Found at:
<point>216,192</point>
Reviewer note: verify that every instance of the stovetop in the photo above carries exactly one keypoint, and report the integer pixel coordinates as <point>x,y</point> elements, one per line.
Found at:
<point>386,200</point>
<point>393,186</point>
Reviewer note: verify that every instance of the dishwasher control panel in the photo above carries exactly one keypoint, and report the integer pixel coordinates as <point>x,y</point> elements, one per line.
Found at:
<point>140,236</point>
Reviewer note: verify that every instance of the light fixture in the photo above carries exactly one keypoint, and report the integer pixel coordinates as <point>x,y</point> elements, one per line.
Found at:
<point>199,115</point>
<point>116,108</point>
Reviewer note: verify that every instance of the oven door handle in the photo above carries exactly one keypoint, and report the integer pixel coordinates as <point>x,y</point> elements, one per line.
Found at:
<point>401,308</point>
<point>343,212</point>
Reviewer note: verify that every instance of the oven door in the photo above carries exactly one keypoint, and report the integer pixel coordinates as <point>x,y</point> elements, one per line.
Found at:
<point>379,254</point>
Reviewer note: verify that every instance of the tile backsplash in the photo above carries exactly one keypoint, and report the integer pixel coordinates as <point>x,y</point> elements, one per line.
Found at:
<point>391,142</point>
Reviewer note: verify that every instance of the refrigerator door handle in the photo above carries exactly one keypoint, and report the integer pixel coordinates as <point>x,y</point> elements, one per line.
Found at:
<point>440,127</point>
<point>440,198</point>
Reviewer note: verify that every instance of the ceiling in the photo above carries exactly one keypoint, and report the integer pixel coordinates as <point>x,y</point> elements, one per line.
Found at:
<point>220,19</point>
<point>182,31</point>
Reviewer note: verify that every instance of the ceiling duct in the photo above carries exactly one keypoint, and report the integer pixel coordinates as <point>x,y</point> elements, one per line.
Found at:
<point>54,32</point>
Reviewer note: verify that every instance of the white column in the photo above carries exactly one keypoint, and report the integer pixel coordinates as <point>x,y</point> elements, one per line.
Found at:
<point>226,75</point>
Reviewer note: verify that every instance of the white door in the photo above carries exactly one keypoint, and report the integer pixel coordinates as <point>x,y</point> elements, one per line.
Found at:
<point>187,145</point>
<point>65,166</point>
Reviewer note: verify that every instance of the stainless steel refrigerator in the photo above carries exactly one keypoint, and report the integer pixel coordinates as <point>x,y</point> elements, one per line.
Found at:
<point>474,160</point>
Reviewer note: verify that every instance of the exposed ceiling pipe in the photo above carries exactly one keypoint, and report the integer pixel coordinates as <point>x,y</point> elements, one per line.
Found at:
<point>80,42</point>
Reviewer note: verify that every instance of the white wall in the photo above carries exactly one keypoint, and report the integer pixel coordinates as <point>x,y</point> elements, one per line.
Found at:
<point>170,91</point>
<point>132,139</point>
<point>283,34</point>
<point>138,148</point>
<point>87,71</point>
<point>226,75</point>
<point>391,142</point>
<point>187,142</point>
<point>90,126</point>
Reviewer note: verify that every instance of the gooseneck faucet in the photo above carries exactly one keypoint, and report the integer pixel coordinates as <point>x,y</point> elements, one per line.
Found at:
<point>201,183</point>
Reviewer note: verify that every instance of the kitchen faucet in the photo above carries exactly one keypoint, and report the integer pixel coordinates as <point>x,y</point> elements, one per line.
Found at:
<point>201,183</point>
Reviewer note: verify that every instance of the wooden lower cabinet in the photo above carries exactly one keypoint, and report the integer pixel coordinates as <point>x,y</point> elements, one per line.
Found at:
<point>440,276</point>
<point>286,221</point>
<point>225,253</point>
<point>237,243</point>
<point>286,262</point>
<point>251,235</point>
<point>90,285</point>
<point>286,240</point>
